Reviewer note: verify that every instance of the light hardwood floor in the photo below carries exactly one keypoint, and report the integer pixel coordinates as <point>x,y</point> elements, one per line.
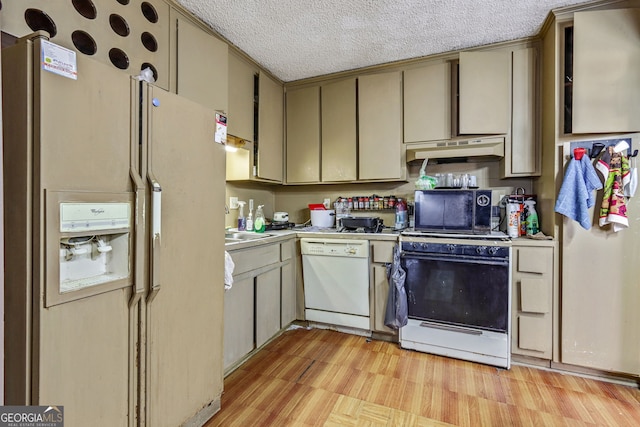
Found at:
<point>326,378</point>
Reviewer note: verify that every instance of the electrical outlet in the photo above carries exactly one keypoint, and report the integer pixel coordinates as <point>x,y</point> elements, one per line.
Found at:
<point>233,203</point>
<point>327,203</point>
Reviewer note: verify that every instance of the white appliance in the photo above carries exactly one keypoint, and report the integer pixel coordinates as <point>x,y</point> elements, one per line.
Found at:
<point>336,281</point>
<point>114,256</point>
<point>458,296</point>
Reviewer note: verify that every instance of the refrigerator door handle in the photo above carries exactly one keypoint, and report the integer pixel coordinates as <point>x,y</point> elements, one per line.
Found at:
<point>138,274</point>
<point>156,223</point>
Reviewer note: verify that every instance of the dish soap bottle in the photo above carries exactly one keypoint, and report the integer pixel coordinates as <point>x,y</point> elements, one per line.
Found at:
<point>242,221</point>
<point>259,223</point>
<point>250,216</point>
<point>532,226</point>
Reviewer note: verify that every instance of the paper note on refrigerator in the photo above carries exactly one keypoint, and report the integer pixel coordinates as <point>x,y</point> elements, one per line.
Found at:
<point>221,128</point>
<point>59,60</point>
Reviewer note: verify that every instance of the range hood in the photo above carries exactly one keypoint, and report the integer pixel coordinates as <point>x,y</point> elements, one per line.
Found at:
<point>492,146</point>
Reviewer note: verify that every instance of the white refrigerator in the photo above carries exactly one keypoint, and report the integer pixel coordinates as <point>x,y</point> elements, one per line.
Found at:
<point>114,210</point>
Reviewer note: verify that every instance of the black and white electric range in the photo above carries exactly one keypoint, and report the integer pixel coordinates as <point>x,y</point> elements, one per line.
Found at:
<point>458,288</point>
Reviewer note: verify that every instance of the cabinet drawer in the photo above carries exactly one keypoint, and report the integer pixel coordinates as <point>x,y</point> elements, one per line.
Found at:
<point>252,258</point>
<point>382,251</point>
<point>535,295</point>
<point>534,333</point>
<point>535,260</point>
<point>287,250</point>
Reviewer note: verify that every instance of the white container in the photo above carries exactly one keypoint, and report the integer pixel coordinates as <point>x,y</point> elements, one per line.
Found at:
<point>513,219</point>
<point>323,218</point>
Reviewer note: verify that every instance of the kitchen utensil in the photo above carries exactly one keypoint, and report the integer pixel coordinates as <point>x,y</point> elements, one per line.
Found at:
<point>323,218</point>
<point>361,222</point>
<point>316,207</point>
<point>280,217</point>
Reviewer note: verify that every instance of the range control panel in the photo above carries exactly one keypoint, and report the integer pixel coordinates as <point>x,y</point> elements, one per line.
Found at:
<point>335,247</point>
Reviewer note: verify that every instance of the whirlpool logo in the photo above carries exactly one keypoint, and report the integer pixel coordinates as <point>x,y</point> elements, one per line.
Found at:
<point>31,416</point>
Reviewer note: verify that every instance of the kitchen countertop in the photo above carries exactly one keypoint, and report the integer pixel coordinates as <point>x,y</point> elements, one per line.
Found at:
<point>274,236</point>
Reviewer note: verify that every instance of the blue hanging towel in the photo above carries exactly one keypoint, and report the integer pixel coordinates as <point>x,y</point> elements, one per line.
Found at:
<point>576,194</point>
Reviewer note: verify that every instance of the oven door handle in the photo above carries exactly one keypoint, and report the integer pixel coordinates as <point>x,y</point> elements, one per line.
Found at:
<point>467,259</point>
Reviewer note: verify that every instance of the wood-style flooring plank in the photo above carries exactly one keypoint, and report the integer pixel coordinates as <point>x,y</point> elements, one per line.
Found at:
<point>316,377</point>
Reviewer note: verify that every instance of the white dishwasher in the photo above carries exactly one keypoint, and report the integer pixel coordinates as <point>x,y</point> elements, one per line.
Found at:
<point>336,281</point>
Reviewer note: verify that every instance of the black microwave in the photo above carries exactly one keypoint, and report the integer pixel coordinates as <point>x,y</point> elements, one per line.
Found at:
<point>453,211</point>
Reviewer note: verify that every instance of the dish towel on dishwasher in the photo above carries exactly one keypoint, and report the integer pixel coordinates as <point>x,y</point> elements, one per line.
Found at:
<point>576,194</point>
<point>228,271</point>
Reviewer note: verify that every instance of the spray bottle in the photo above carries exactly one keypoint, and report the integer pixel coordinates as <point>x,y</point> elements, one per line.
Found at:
<point>532,218</point>
<point>250,216</point>
<point>242,221</point>
<point>259,224</point>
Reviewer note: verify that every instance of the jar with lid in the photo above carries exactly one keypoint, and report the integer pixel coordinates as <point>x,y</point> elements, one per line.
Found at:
<point>392,202</point>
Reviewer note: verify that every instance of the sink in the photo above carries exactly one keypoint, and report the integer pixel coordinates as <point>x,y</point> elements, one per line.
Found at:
<point>238,236</point>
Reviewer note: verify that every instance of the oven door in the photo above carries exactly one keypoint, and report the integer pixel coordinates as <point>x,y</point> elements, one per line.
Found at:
<point>458,290</point>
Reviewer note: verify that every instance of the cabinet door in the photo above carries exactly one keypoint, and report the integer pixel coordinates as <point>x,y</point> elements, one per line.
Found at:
<point>267,306</point>
<point>288,283</point>
<point>270,129</point>
<point>522,155</point>
<point>303,135</point>
<point>241,98</point>
<point>484,104</point>
<point>532,309</point>
<point>427,103</point>
<point>606,59</point>
<point>339,138</point>
<point>238,321</point>
<point>381,155</point>
<point>202,67</point>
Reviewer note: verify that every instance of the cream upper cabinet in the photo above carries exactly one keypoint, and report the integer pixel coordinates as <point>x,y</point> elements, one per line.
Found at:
<point>202,66</point>
<point>259,160</point>
<point>381,149</point>
<point>484,93</point>
<point>339,131</point>
<point>606,82</point>
<point>522,154</point>
<point>303,135</point>
<point>270,129</point>
<point>427,103</point>
<point>242,80</point>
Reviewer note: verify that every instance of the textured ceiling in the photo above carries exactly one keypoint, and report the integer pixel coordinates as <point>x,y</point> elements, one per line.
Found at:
<point>296,39</point>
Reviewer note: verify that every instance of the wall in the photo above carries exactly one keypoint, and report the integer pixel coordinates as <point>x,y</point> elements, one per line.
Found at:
<point>261,195</point>
<point>295,199</point>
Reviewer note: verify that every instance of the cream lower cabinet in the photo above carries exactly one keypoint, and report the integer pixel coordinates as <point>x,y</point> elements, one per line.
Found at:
<point>261,300</point>
<point>267,307</point>
<point>534,321</point>
<point>288,282</point>
<point>381,255</point>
